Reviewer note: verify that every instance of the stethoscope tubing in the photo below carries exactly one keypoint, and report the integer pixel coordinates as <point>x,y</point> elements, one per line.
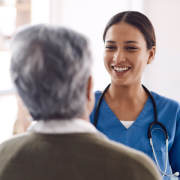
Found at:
<point>155,116</point>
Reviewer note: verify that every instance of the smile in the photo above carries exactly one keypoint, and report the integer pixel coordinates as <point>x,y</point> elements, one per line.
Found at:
<point>120,70</point>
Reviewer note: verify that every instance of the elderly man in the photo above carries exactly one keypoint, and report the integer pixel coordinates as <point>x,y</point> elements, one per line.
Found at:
<point>51,69</point>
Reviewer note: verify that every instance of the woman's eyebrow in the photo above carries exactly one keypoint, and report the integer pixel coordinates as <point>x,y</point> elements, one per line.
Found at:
<point>110,42</point>
<point>124,42</point>
<point>131,42</point>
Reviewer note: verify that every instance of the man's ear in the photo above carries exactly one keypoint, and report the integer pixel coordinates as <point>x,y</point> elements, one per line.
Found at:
<point>152,52</point>
<point>90,93</point>
<point>90,96</point>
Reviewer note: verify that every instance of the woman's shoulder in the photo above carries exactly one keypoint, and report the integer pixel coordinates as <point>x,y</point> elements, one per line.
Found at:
<point>165,101</point>
<point>164,98</point>
<point>97,95</point>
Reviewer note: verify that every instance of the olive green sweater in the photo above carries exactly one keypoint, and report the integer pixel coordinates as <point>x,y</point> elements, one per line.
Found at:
<point>77,156</point>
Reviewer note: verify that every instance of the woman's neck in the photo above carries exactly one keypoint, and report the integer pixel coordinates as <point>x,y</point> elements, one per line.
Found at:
<point>133,93</point>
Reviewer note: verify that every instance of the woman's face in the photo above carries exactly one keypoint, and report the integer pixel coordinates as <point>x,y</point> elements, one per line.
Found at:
<point>126,54</point>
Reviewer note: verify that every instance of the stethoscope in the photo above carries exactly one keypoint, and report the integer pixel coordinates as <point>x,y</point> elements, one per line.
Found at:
<point>149,129</point>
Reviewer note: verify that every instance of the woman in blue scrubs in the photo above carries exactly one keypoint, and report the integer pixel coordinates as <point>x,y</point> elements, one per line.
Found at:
<point>126,110</point>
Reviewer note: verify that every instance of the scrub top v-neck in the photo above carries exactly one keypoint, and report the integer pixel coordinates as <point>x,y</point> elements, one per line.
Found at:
<point>136,136</point>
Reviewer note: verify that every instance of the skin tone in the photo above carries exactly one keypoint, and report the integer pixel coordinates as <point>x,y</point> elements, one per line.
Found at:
<point>89,105</point>
<point>125,47</point>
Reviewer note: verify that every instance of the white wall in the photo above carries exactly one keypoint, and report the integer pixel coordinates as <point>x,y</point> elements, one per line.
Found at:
<point>40,11</point>
<point>163,75</point>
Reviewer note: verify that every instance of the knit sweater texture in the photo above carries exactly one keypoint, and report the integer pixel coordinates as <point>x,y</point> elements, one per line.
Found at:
<point>76,156</point>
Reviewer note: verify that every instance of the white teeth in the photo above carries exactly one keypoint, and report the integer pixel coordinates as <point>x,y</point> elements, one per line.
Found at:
<point>119,69</point>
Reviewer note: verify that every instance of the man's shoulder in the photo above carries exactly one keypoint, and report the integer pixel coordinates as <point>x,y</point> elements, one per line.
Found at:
<point>16,138</point>
<point>119,150</point>
<point>116,150</point>
<point>130,154</point>
<point>15,142</point>
<point>121,157</point>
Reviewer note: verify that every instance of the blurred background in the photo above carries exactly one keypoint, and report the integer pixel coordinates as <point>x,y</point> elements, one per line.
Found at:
<point>88,17</point>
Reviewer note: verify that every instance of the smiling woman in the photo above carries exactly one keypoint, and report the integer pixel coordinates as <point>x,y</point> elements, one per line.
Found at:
<point>124,41</point>
<point>130,45</point>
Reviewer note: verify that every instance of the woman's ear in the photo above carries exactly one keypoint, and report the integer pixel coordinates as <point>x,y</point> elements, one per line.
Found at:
<point>152,52</point>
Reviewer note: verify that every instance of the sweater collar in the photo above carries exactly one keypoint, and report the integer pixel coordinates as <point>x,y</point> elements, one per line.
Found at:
<point>76,125</point>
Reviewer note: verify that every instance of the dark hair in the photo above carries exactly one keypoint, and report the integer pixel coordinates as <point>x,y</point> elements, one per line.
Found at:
<point>137,20</point>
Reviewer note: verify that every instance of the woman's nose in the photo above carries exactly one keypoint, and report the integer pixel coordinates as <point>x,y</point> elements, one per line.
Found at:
<point>119,56</point>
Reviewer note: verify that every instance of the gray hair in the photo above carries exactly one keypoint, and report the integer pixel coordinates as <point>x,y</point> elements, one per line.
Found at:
<point>50,67</point>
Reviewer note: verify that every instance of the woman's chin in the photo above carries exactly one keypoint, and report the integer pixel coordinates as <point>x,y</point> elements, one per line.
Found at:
<point>118,82</point>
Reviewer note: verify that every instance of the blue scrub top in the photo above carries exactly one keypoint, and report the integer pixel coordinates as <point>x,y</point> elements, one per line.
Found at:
<point>136,136</point>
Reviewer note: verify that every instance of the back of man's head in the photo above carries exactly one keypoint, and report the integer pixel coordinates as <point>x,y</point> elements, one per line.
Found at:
<point>50,67</point>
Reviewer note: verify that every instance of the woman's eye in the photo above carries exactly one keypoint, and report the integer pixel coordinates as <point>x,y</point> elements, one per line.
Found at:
<point>110,47</point>
<point>131,48</point>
